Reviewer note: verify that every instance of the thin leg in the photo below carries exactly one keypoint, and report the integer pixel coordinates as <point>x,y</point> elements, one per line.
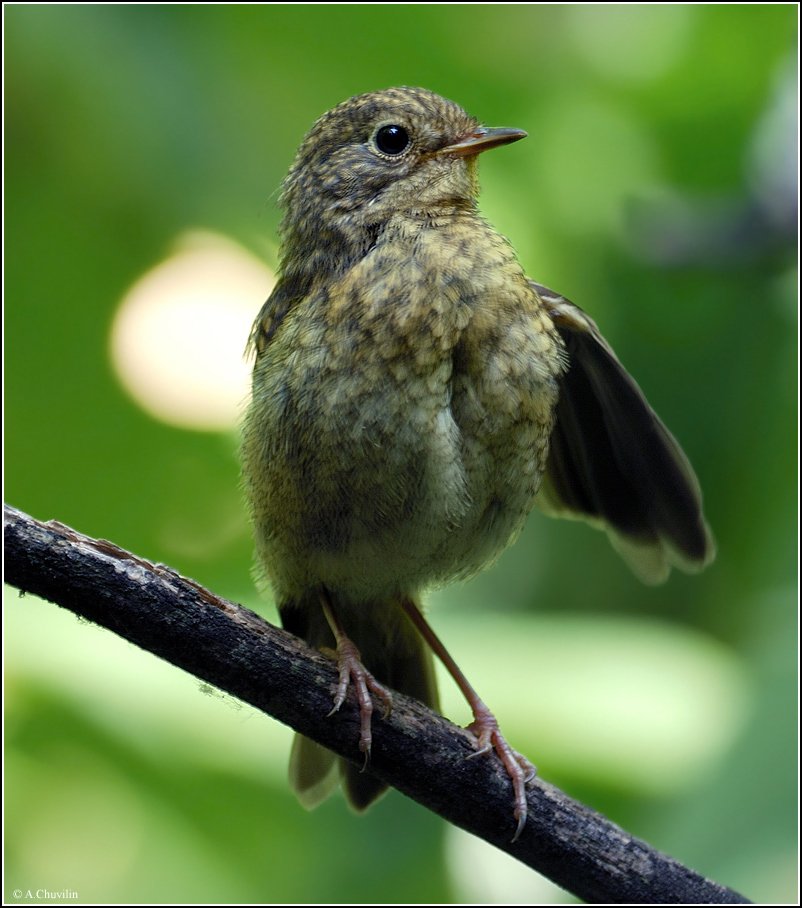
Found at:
<point>484,726</point>
<point>352,671</point>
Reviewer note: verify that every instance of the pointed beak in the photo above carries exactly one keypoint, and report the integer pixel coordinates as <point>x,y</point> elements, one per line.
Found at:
<point>482,138</point>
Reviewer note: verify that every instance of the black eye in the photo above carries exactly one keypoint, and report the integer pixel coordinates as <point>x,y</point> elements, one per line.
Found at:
<point>392,140</point>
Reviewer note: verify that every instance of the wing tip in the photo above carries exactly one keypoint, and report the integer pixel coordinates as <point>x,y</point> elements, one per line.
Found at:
<point>652,560</point>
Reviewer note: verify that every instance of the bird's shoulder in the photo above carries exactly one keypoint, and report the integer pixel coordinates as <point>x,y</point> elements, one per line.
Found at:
<point>287,292</point>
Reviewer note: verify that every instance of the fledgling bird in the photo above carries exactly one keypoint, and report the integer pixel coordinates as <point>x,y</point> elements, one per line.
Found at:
<point>415,394</point>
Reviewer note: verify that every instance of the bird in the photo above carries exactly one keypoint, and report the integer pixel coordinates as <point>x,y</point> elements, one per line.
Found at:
<point>414,396</point>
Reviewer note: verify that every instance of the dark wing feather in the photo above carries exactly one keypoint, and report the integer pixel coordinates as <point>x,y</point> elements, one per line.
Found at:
<point>287,292</point>
<point>614,463</point>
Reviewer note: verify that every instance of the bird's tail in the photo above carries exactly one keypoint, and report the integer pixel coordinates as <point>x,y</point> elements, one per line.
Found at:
<point>393,652</point>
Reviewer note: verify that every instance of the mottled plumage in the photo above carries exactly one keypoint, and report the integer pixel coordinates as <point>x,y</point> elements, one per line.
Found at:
<point>407,380</point>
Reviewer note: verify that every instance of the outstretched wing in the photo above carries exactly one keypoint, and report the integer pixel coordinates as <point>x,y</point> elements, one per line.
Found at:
<point>613,462</point>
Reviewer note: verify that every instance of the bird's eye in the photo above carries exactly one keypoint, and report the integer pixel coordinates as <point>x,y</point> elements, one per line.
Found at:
<point>392,140</point>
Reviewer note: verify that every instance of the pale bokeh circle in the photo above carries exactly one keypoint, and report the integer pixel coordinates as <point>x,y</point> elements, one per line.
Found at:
<point>178,338</point>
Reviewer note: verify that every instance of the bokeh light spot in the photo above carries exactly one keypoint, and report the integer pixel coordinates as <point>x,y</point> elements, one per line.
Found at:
<point>178,338</point>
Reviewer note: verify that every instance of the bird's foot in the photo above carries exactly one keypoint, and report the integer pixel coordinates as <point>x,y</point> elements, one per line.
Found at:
<point>353,672</point>
<point>521,772</point>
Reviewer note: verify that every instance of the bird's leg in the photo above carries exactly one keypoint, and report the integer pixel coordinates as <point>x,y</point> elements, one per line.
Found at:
<point>484,726</point>
<point>352,671</point>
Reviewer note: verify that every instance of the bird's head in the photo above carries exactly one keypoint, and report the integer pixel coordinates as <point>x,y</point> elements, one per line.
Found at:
<point>378,154</point>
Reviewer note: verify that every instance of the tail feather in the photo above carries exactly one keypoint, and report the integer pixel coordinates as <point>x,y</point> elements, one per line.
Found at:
<point>313,771</point>
<point>394,652</point>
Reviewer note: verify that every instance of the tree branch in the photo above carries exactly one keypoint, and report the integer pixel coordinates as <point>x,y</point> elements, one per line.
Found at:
<point>415,750</point>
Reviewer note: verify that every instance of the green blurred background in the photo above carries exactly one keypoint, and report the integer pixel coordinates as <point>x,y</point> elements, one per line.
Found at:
<point>657,189</point>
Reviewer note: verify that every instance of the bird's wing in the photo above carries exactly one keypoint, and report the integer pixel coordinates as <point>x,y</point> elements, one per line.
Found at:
<point>285,294</point>
<point>613,462</point>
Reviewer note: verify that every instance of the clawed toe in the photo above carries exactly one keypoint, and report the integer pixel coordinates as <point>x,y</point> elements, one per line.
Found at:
<point>521,772</point>
<point>353,672</point>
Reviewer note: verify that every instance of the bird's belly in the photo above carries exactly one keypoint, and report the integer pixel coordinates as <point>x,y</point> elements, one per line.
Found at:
<point>398,437</point>
<point>393,492</point>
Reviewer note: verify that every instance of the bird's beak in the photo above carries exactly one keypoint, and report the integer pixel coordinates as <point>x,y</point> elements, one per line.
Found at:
<point>482,138</point>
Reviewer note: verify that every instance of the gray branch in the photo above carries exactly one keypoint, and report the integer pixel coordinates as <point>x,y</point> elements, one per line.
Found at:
<point>415,750</point>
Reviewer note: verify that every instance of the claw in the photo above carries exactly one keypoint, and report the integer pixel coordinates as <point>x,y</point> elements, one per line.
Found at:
<point>353,672</point>
<point>484,726</point>
<point>521,772</point>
